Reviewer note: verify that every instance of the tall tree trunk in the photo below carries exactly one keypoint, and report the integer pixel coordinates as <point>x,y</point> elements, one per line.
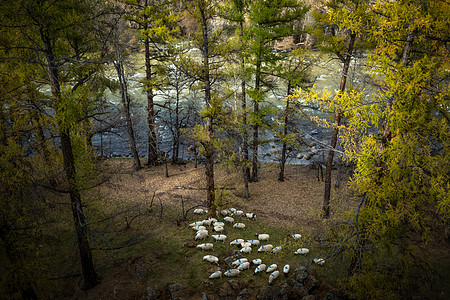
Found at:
<point>126,107</point>
<point>176,140</point>
<point>245,168</point>
<point>89,277</point>
<point>256,112</point>
<point>334,137</point>
<point>209,148</point>
<point>152,145</point>
<point>285,131</point>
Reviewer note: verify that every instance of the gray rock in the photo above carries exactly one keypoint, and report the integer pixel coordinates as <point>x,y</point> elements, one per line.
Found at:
<point>176,291</point>
<point>300,290</point>
<point>301,274</point>
<point>309,297</point>
<point>152,293</point>
<point>311,283</point>
<point>205,296</point>
<point>288,292</point>
<point>244,294</point>
<point>330,296</point>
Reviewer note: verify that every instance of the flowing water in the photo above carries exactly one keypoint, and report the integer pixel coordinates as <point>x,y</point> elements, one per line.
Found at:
<point>325,71</point>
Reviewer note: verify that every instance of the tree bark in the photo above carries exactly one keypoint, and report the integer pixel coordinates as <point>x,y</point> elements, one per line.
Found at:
<point>245,168</point>
<point>334,137</point>
<point>209,148</point>
<point>89,277</point>
<point>285,131</point>
<point>126,107</point>
<point>254,177</point>
<point>152,145</point>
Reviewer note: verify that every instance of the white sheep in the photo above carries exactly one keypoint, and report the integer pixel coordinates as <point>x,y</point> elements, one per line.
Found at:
<point>236,242</point>
<point>257,261</point>
<point>250,215</point>
<point>199,211</point>
<point>224,212</point>
<point>198,223</point>
<point>254,242</point>
<point>232,273</point>
<point>239,225</point>
<point>238,213</point>
<point>213,220</point>
<point>245,244</point>
<point>260,268</point>
<point>247,250</point>
<point>273,276</point>
<point>263,237</point>
<point>207,222</point>
<point>296,236</point>
<point>277,249</point>
<point>237,262</point>
<point>211,258</point>
<point>301,251</point>
<point>319,261</point>
<point>218,228</point>
<point>201,235</point>
<point>217,274</point>
<point>244,266</point>
<point>200,227</point>
<point>205,246</point>
<point>286,270</point>
<point>219,237</point>
<point>271,268</point>
<point>265,248</point>
<point>232,209</point>
<point>228,219</point>
<point>219,224</point>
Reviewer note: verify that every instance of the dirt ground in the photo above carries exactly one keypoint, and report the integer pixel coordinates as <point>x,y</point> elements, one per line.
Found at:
<point>295,201</point>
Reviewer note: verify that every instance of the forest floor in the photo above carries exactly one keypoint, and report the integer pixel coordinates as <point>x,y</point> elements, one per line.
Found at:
<point>148,206</point>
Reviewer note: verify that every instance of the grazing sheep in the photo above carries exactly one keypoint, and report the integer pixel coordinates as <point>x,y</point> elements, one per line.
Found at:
<point>254,242</point>
<point>237,262</point>
<point>265,248</point>
<point>239,225</point>
<point>201,235</point>
<point>218,228</point>
<point>228,219</point>
<point>263,237</point>
<point>219,237</point>
<point>232,273</point>
<point>319,261</point>
<point>271,268</point>
<point>217,274</point>
<point>277,249</point>
<point>207,222</point>
<point>273,276</point>
<point>257,261</point>
<point>211,258</point>
<point>250,215</point>
<point>219,224</point>
<point>238,213</point>
<point>190,244</point>
<point>199,211</point>
<point>198,223</point>
<point>286,270</point>
<point>244,266</point>
<point>224,212</point>
<point>206,246</point>
<point>245,244</point>
<point>260,268</point>
<point>236,242</point>
<point>301,251</point>
<point>214,220</point>
<point>296,236</point>
<point>247,250</point>
<point>232,209</point>
<point>200,227</point>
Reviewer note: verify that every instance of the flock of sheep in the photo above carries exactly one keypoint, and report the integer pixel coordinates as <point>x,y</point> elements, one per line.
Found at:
<point>241,264</point>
